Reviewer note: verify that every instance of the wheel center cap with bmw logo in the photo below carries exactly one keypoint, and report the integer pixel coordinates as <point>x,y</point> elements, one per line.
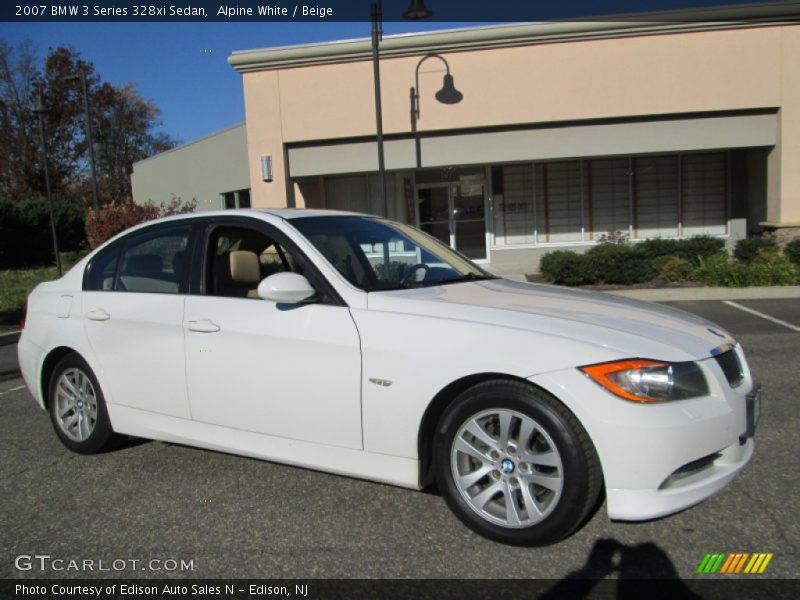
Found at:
<point>507,466</point>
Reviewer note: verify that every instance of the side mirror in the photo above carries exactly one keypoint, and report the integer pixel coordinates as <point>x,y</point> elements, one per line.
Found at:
<point>287,287</point>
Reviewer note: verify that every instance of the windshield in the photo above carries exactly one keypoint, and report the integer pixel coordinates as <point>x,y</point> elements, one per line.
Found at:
<point>376,254</point>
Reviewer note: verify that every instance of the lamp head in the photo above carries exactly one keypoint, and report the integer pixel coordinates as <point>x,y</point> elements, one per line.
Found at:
<point>417,10</point>
<point>449,94</point>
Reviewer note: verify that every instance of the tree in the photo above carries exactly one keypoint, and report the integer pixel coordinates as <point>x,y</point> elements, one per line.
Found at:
<point>124,127</point>
<point>18,150</point>
<point>126,124</point>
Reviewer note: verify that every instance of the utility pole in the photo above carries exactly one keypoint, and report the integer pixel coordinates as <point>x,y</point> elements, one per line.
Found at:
<point>42,111</point>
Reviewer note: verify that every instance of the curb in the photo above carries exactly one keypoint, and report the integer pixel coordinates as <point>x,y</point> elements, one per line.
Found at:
<point>7,339</point>
<point>711,293</point>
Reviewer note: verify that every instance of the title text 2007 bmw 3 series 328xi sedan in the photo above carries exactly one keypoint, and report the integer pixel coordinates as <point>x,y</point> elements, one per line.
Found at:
<point>364,347</point>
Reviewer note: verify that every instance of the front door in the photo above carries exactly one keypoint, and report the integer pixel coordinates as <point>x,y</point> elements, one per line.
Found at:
<point>291,371</point>
<point>455,213</point>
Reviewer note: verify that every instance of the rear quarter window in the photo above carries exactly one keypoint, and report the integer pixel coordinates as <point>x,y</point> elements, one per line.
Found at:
<point>102,270</point>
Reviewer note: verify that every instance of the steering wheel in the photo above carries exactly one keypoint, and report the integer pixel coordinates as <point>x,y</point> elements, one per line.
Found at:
<point>412,270</point>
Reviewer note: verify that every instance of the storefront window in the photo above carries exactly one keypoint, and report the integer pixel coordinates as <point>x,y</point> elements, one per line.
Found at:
<point>584,200</point>
<point>704,194</point>
<point>559,204</point>
<point>655,196</point>
<point>608,197</point>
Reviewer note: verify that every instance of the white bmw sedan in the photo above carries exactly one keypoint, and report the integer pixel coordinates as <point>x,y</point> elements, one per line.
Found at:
<point>360,346</point>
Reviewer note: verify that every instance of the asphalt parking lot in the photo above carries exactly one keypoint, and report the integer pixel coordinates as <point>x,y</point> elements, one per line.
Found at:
<point>236,517</point>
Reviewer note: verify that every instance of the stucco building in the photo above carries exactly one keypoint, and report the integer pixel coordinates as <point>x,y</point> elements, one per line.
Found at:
<point>212,171</point>
<point>566,132</point>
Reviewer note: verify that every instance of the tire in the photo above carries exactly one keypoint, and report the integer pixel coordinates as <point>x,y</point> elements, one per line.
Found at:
<point>548,466</point>
<point>77,407</point>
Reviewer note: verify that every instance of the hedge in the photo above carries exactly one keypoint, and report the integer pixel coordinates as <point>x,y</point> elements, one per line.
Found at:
<point>25,236</point>
<point>747,249</point>
<point>758,261</point>
<point>792,251</point>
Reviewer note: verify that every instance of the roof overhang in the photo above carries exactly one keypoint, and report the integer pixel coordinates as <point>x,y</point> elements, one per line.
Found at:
<point>516,34</point>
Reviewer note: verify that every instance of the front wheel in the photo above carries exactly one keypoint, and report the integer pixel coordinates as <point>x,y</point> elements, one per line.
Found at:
<point>515,465</point>
<point>77,407</point>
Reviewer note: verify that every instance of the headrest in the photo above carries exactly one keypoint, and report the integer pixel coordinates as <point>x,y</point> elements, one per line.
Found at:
<point>244,267</point>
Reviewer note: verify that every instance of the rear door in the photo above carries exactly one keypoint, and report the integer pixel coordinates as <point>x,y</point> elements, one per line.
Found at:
<point>133,304</point>
<point>292,371</point>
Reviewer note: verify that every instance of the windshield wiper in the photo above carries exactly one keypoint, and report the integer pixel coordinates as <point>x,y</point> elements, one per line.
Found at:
<point>465,277</point>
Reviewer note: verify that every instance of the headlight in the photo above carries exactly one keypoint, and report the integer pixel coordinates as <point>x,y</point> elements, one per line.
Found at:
<point>649,380</point>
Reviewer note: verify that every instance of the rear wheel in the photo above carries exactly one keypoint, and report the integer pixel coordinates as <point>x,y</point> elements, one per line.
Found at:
<point>515,465</point>
<point>77,407</point>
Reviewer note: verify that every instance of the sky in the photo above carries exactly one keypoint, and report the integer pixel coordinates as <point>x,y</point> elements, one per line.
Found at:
<point>183,67</point>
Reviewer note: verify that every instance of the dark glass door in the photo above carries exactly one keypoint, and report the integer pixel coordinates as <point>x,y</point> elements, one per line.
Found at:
<point>455,213</point>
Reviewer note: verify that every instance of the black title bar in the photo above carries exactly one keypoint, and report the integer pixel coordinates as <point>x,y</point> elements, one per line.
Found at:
<point>359,10</point>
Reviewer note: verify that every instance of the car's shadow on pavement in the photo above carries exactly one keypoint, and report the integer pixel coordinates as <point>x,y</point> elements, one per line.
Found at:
<point>124,442</point>
<point>634,566</point>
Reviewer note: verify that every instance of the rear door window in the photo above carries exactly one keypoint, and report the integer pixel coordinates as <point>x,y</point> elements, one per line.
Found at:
<point>155,262</point>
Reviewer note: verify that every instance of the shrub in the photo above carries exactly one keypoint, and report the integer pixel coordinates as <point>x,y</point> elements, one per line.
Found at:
<point>675,268</point>
<point>700,247</point>
<point>792,251</point>
<point>691,249</point>
<point>115,218</point>
<point>71,226</point>
<point>770,269</point>
<point>567,268</point>
<point>25,236</point>
<point>619,263</point>
<point>659,261</point>
<point>746,250</point>
<point>657,247</point>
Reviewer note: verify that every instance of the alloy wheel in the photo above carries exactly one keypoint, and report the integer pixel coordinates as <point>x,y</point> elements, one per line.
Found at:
<point>507,468</point>
<point>76,405</point>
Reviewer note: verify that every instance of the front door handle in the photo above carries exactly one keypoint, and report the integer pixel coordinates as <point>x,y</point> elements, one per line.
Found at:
<point>203,326</point>
<point>98,314</point>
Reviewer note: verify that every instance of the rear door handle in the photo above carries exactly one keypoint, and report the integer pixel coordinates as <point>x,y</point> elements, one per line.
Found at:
<point>98,314</point>
<point>203,326</point>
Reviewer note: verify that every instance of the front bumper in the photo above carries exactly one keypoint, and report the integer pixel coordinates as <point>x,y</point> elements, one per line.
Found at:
<point>639,505</point>
<point>659,459</point>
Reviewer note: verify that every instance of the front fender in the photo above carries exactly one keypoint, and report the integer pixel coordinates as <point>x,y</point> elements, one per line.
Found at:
<point>408,359</point>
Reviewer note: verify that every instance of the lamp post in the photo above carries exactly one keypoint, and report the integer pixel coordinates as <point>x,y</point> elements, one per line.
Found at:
<point>88,123</point>
<point>416,10</point>
<point>41,111</point>
<point>447,95</point>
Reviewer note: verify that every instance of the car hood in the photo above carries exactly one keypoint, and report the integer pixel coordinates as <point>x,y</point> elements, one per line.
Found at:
<point>631,327</point>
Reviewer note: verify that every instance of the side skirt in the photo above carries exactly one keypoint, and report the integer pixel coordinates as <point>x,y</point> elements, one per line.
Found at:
<point>394,470</point>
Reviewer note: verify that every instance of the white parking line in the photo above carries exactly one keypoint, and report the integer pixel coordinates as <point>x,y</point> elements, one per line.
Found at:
<point>9,333</point>
<point>16,389</point>
<point>762,315</point>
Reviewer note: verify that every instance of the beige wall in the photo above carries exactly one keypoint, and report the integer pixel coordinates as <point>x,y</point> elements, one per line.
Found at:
<point>733,69</point>
<point>785,197</point>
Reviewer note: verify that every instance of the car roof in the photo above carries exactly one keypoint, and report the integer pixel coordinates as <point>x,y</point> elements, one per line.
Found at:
<point>299,213</point>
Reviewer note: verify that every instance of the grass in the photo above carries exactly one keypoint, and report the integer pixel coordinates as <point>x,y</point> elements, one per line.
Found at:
<point>16,284</point>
